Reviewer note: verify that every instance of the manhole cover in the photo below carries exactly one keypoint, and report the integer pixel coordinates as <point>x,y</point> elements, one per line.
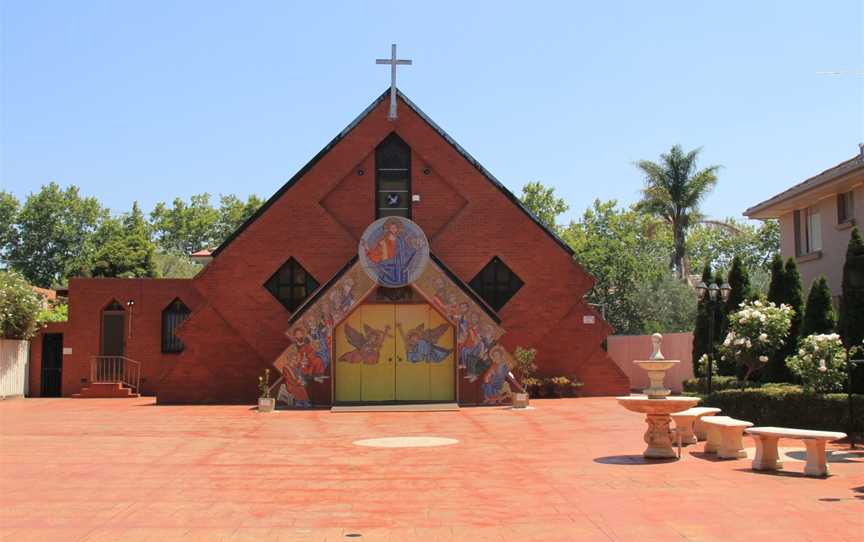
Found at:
<point>405,442</point>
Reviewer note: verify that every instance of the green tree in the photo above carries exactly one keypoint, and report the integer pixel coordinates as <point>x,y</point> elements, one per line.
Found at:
<point>851,324</point>
<point>674,189</point>
<point>171,265</point>
<point>775,289</point>
<point>739,280</point>
<point>233,212</point>
<point>667,304</point>
<point>719,242</point>
<point>186,227</point>
<point>819,314</point>
<point>704,314</point>
<point>612,245</point>
<point>19,306</point>
<point>541,201</point>
<point>55,235</point>
<point>9,208</point>
<point>127,250</point>
<point>794,297</point>
<point>777,371</point>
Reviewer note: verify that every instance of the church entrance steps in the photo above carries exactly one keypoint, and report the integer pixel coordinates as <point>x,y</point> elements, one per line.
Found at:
<point>414,407</point>
<point>105,390</point>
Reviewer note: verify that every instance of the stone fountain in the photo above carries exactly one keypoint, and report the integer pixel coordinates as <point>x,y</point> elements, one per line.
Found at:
<point>656,403</point>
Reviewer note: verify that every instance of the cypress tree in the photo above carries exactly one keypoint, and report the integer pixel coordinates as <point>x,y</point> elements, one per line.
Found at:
<point>776,371</point>
<point>794,294</point>
<point>721,327</point>
<point>700,332</point>
<point>739,280</point>
<point>852,303</point>
<point>775,289</point>
<point>851,323</point>
<point>819,314</point>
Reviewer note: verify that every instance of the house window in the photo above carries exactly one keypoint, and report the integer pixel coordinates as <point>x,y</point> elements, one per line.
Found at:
<point>808,231</point>
<point>393,178</point>
<point>291,284</point>
<point>172,316</point>
<point>845,207</point>
<point>814,230</point>
<point>496,284</point>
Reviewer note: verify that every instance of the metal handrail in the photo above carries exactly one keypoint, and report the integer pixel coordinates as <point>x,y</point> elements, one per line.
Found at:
<point>115,369</point>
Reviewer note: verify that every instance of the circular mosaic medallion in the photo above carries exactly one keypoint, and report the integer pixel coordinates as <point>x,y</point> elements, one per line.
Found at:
<point>406,442</point>
<point>393,251</point>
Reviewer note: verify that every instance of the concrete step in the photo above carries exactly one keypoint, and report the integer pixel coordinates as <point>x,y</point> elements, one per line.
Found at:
<point>105,390</point>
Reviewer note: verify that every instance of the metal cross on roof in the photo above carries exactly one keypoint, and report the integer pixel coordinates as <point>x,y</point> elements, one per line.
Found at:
<point>393,61</point>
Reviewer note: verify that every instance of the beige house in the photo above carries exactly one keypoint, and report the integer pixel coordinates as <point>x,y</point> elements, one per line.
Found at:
<point>816,219</point>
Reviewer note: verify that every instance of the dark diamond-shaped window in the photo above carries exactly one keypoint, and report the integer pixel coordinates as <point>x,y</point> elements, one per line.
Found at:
<point>496,284</point>
<point>291,284</point>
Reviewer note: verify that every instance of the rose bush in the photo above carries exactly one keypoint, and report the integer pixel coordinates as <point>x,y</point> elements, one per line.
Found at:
<point>820,363</point>
<point>756,331</point>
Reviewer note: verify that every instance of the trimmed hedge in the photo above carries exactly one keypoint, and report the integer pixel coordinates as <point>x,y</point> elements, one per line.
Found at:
<point>718,383</point>
<point>789,406</point>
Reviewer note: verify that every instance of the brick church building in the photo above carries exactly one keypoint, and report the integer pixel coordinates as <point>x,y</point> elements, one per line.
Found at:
<point>291,291</point>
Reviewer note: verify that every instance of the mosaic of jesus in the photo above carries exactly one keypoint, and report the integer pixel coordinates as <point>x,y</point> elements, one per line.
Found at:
<point>394,251</point>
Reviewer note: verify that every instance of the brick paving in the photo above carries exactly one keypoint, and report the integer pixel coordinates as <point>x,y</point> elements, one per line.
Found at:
<point>127,469</point>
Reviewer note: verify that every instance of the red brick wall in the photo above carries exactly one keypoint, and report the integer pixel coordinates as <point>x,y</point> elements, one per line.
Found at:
<point>318,222</point>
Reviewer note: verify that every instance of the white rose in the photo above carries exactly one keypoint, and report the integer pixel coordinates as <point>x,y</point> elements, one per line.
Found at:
<point>801,352</point>
<point>763,359</point>
<point>822,367</point>
<point>763,337</point>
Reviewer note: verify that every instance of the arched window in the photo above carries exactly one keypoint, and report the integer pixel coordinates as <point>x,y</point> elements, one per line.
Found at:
<point>172,316</point>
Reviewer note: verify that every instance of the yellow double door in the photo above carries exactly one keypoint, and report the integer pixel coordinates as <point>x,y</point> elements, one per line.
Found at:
<point>390,353</point>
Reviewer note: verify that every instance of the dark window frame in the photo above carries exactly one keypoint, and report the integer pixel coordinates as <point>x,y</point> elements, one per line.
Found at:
<point>496,283</point>
<point>845,207</point>
<point>291,293</point>
<point>381,169</point>
<point>174,314</point>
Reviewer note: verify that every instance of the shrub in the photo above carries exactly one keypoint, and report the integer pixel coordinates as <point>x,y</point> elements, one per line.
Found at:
<point>819,316</point>
<point>718,383</point>
<point>524,366</point>
<point>756,331</point>
<point>55,311</point>
<point>784,405</point>
<point>19,307</point>
<point>820,363</point>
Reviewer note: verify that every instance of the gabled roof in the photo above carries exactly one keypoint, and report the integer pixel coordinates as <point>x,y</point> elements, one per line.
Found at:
<point>772,207</point>
<point>512,197</point>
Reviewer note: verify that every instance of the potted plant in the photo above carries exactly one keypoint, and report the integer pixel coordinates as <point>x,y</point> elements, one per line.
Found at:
<point>523,369</point>
<point>265,402</point>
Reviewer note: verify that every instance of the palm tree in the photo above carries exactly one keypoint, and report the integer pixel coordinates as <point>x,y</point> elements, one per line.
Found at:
<point>674,188</point>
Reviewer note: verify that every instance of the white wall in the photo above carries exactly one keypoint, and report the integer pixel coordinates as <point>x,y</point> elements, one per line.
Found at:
<point>14,367</point>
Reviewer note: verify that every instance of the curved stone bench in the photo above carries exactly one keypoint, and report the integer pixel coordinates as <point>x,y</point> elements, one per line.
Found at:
<point>725,436</point>
<point>767,457</point>
<point>689,425</point>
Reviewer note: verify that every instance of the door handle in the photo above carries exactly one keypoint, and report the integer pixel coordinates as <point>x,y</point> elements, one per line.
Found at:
<point>398,358</point>
<point>390,360</point>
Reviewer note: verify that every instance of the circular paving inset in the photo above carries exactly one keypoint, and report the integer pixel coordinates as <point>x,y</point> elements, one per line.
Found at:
<point>405,442</point>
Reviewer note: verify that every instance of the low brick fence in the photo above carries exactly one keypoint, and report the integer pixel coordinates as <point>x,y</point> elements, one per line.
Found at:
<point>623,349</point>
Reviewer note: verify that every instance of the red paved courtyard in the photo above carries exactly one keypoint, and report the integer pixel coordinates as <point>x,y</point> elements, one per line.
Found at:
<point>118,469</point>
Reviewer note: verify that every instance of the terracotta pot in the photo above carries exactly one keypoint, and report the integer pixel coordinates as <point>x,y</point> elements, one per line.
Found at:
<point>266,404</point>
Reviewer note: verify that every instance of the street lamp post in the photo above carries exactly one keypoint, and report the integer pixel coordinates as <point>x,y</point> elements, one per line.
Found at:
<point>850,367</point>
<point>712,302</point>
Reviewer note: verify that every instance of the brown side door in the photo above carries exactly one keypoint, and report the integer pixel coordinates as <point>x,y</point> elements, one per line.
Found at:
<point>113,325</point>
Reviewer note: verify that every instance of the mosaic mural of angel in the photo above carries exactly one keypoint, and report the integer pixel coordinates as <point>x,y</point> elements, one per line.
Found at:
<point>367,344</point>
<point>394,251</point>
<point>420,343</point>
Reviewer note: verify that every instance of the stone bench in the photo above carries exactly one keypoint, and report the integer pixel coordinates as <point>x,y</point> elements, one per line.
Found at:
<point>725,436</point>
<point>689,425</point>
<point>767,457</point>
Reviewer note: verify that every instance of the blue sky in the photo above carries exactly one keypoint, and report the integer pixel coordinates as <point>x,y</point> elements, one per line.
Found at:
<point>151,100</point>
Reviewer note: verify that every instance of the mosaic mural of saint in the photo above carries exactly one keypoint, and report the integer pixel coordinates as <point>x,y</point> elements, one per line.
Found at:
<point>394,251</point>
<point>420,343</point>
<point>494,387</point>
<point>367,344</point>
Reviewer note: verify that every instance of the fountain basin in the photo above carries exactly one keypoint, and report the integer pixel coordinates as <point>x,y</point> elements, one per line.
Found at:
<point>656,369</point>
<point>658,436</point>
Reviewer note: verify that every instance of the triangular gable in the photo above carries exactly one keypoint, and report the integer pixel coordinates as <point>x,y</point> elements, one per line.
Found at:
<point>309,165</point>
